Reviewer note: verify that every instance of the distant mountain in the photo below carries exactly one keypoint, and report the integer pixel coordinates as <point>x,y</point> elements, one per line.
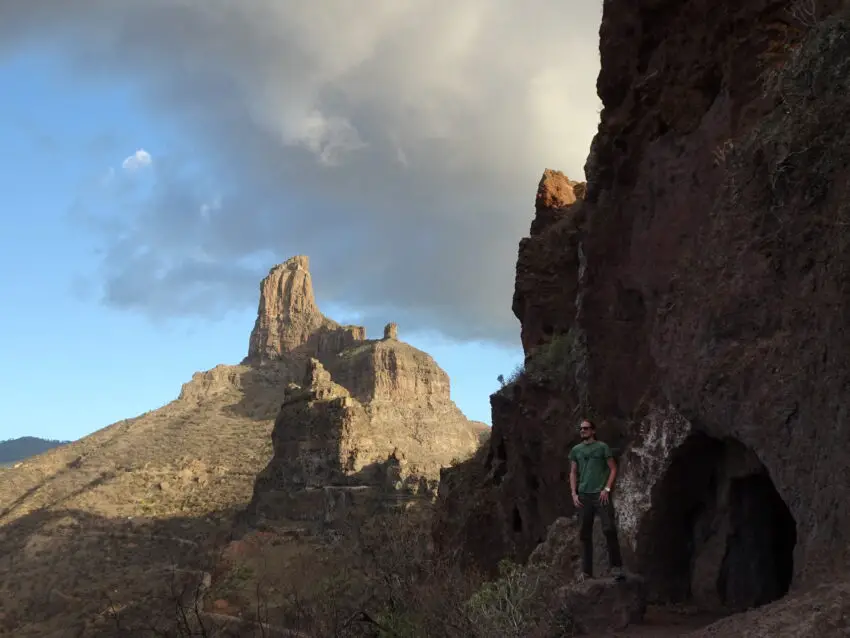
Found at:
<point>18,449</point>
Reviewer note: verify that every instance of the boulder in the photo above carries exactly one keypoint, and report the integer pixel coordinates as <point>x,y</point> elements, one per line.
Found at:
<point>597,606</point>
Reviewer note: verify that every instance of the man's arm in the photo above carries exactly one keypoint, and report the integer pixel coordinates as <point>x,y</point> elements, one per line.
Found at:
<point>574,482</point>
<point>612,466</point>
<point>573,477</point>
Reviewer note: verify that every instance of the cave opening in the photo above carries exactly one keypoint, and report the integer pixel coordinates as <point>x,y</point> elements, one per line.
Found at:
<point>718,534</point>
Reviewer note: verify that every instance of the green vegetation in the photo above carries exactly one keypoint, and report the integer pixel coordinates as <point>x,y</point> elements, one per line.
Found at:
<point>797,149</point>
<point>549,364</point>
<point>507,606</point>
<point>512,377</point>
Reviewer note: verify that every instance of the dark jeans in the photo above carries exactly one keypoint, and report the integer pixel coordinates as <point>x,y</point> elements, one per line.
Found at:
<point>590,508</point>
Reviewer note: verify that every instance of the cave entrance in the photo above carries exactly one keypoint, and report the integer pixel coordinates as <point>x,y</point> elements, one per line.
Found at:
<point>718,534</point>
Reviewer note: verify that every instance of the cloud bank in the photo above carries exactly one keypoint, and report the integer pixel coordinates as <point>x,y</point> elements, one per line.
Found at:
<point>397,143</point>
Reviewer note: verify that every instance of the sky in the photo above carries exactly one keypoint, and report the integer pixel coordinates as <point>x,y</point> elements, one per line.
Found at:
<point>159,156</point>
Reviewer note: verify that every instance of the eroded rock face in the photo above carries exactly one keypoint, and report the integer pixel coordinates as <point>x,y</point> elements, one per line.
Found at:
<point>599,606</point>
<point>391,371</point>
<point>548,265</point>
<point>391,331</point>
<point>704,293</point>
<point>821,611</point>
<point>377,422</point>
<point>502,502</point>
<point>288,320</point>
<point>716,288</point>
<point>363,423</point>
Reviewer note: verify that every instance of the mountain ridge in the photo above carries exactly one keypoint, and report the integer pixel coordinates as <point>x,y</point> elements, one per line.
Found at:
<point>24,447</point>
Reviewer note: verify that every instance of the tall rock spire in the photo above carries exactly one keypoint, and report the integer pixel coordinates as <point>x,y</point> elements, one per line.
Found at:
<point>287,317</point>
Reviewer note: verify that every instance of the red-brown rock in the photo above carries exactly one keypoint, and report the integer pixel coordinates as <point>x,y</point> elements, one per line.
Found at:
<point>704,296</point>
<point>548,265</point>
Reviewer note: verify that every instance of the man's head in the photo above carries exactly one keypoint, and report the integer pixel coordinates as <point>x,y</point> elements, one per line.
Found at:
<point>587,430</point>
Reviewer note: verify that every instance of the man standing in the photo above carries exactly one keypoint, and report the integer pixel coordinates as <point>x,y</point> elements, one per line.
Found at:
<point>592,473</point>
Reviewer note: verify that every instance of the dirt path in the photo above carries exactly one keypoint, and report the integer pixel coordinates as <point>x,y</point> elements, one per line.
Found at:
<point>667,622</point>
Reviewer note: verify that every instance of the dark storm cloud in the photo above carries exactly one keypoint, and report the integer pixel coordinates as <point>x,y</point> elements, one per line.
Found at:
<point>397,143</point>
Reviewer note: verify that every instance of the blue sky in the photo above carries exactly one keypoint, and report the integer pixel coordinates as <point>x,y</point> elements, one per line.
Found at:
<point>73,364</point>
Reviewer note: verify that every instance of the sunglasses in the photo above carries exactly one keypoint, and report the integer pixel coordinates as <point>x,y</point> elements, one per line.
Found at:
<point>585,427</point>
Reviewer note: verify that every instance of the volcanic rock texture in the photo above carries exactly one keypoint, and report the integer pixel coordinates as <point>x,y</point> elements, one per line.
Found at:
<point>694,301</point>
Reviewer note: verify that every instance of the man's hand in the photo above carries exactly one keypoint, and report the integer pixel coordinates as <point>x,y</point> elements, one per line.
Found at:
<point>603,497</point>
<point>576,500</point>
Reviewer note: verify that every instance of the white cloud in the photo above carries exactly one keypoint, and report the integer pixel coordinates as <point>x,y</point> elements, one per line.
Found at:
<point>139,159</point>
<point>399,144</point>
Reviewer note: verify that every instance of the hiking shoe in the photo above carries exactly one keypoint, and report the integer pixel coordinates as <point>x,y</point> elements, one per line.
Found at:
<point>618,574</point>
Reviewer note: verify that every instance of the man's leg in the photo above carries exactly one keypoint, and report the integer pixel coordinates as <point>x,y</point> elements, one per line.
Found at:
<point>585,514</point>
<point>609,528</point>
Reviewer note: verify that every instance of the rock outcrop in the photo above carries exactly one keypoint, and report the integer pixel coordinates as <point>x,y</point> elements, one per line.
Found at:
<point>374,427</point>
<point>289,323</point>
<point>391,331</point>
<point>599,607</point>
<point>697,299</point>
<point>546,289</point>
<point>366,422</point>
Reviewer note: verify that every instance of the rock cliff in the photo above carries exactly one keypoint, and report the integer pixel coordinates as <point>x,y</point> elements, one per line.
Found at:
<point>377,424</point>
<point>289,323</point>
<point>365,418</point>
<point>694,302</point>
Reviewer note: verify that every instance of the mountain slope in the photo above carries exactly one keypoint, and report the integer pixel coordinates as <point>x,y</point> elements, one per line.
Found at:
<point>135,515</point>
<point>216,433</point>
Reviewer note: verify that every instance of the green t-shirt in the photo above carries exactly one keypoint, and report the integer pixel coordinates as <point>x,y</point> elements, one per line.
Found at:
<point>592,459</point>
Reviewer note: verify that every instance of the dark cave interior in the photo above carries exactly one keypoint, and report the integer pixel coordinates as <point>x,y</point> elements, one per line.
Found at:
<point>718,534</point>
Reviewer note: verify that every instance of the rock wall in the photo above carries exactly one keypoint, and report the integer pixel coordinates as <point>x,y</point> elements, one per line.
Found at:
<point>391,371</point>
<point>547,269</point>
<point>342,451</point>
<point>704,298</point>
<point>502,501</point>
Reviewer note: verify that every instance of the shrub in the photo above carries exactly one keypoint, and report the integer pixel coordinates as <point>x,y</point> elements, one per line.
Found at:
<point>509,605</point>
<point>554,362</point>
<point>551,363</point>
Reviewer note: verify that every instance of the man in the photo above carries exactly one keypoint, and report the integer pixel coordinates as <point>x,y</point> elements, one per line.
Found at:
<point>592,474</point>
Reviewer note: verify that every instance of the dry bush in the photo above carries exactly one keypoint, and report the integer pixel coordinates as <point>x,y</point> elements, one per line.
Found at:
<point>422,596</point>
<point>387,583</point>
<point>506,606</point>
<point>416,593</point>
<point>521,602</point>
